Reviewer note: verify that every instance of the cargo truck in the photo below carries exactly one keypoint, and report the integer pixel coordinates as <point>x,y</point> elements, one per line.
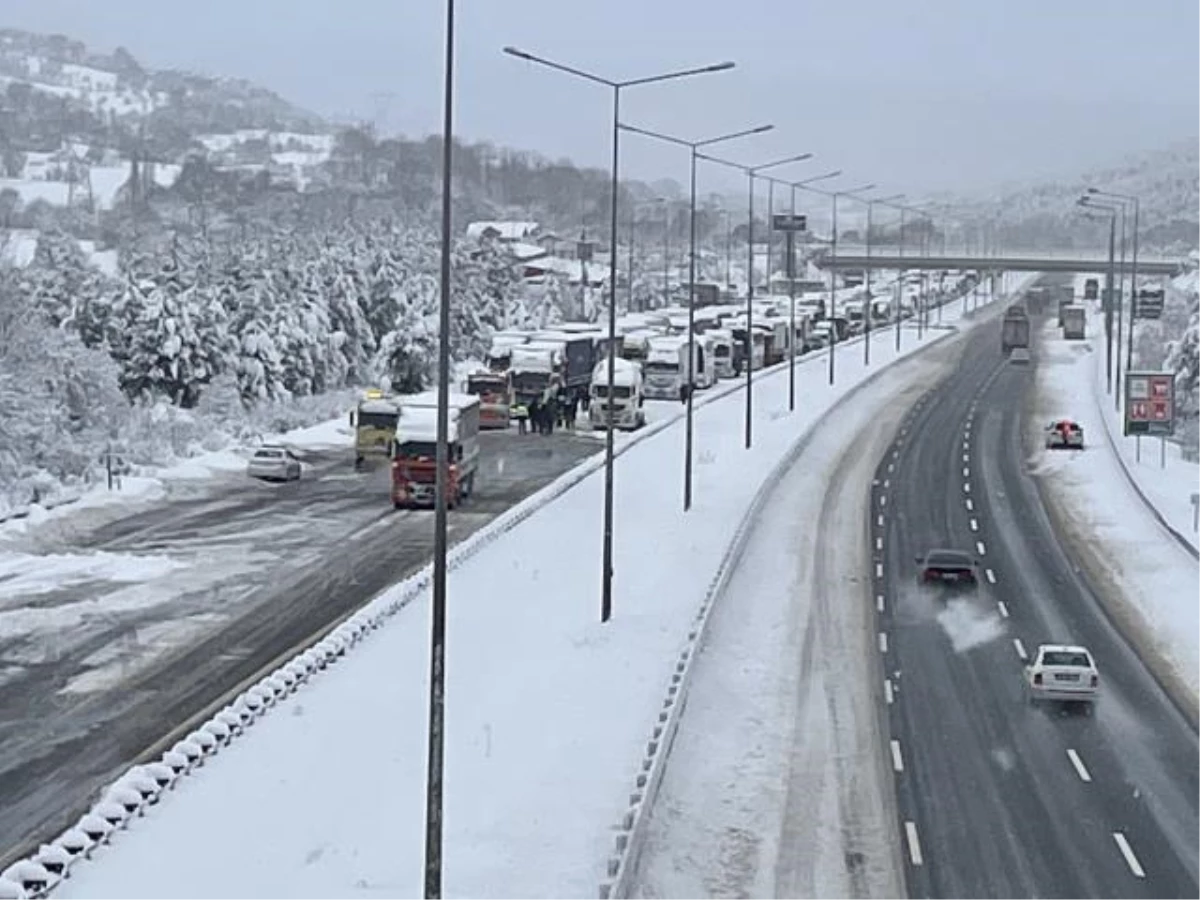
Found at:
<point>625,396</point>
<point>494,390</point>
<point>1014,332</point>
<point>1091,289</point>
<point>374,423</point>
<point>1074,323</point>
<point>414,452</point>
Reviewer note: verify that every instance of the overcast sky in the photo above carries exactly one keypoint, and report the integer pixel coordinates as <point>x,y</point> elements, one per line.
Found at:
<point>913,94</point>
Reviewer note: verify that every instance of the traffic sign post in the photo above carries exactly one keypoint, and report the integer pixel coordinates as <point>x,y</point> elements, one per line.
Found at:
<point>789,222</point>
<point>1148,303</point>
<point>1149,403</point>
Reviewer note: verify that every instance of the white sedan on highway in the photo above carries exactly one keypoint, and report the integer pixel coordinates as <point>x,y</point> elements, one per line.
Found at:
<point>274,464</point>
<point>1063,672</point>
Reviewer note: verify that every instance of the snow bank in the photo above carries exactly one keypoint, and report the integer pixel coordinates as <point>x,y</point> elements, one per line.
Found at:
<point>1153,574</point>
<point>547,709</point>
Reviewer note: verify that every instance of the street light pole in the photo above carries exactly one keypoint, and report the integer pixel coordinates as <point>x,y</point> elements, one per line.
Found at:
<point>869,306</point>
<point>437,631</point>
<point>1125,199</point>
<point>609,455</point>
<point>666,252</point>
<point>751,171</point>
<point>792,284</point>
<point>693,147</point>
<point>1111,210</point>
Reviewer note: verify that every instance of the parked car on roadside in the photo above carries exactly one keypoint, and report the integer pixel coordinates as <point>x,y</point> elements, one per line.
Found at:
<point>274,464</point>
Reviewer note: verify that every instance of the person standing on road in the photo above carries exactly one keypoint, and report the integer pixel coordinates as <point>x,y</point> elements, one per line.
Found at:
<point>570,411</point>
<point>520,412</point>
<point>535,416</point>
<point>550,415</point>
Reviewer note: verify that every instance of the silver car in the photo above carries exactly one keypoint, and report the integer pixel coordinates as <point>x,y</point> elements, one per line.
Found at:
<point>274,464</point>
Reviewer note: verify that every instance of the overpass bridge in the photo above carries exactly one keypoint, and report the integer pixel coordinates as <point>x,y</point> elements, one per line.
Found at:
<point>855,257</point>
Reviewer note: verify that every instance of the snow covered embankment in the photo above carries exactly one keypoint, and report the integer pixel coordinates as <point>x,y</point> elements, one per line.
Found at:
<point>538,767</point>
<point>1150,574</point>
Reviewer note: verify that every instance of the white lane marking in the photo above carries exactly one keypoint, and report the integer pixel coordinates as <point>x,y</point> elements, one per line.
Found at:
<point>970,505</point>
<point>982,549</point>
<point>879,602</point>
<point>891,467</point>
<point>914,844</point>
<point>1080,768</point>
<point>1003,609</point>
<point>966,471</point>
<point>887,691</point>
<point>966,457</point>
<point>991,576</point>
<point>887,482</point>
<point>974,524</point>
<point>895,453</point>
<point>897,759</point>
<point>1126,851</point>
<point>878,543</point>
<point>878,570</point>
<point>883,499</point>
<point>967,488</point>
<point>1020,648</point>
<point>879,521</point>
<point>883,642</point>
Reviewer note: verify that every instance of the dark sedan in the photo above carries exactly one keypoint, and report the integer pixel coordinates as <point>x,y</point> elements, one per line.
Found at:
<point>948,567</point>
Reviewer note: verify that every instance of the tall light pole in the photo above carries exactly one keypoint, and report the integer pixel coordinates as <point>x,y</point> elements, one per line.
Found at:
<point>792,286</point>
<point>437,631</point>
<point>693,147</point>
<point>751,171</point>
<point>1111,210</point>
<point>833,196</point>
<point>1137,208</point>
<point>607,571</point>
<point>666,204</point>
<point>869,308</point>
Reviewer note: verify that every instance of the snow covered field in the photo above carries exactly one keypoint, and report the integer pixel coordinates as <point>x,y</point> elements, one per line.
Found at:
<point>1156,577</point>
<point>547,709</point>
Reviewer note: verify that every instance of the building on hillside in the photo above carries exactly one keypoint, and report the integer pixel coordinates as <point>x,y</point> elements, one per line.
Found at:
<point>503,231</point>
<point>534,271</point>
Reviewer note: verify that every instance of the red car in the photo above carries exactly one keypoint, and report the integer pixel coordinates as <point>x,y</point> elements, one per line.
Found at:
<point>1064,434</point>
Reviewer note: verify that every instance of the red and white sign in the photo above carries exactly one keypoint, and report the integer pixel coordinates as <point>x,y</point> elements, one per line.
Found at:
<point>1149,403</point>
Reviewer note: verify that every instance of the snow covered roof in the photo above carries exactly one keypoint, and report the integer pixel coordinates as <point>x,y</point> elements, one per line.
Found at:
<point>420,424</point>
<point>505,231</point>
<point>524,252</point>
<point>429,400</point>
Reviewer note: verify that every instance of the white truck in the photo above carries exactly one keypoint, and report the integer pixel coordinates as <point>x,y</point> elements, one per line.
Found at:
<point>722,352</point>
<point>626,396</point>
<point>666,367</point>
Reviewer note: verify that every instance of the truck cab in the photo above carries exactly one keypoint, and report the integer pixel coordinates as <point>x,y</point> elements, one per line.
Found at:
<point>374,422</point>
<point>625,397</point>
<point>495,393</point>
<point>414,452</point>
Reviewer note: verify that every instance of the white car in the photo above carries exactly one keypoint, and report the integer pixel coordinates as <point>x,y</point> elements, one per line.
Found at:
<point>1064,434</point>
<point>1019,357</point>
<point>274,464</point>
<point>1063,672</point>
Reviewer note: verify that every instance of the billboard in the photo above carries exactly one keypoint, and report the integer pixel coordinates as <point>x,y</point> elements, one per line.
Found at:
<point>789,222</point>
<point>1149,403</point>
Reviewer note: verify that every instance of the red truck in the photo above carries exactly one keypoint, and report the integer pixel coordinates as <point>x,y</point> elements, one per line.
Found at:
<point>414,452</point>
<point>495,393</point>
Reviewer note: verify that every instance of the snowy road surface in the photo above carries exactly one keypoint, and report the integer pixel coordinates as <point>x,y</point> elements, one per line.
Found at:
<point>114,634</point>
<point>548,711</point>
<point>998,797</point>
<point>778,784</point>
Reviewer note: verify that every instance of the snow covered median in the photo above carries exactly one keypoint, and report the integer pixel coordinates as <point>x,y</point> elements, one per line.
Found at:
<point>1136,561</point>
<point>547,710</point>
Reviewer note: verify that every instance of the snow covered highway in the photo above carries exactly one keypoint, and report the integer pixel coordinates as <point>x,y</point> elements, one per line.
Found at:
<point>119,632</point>
<point>998,797</point>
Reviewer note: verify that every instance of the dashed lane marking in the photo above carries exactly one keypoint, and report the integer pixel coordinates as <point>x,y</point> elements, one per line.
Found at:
<point>991,576</point>
<point>974,524</point>
<point>879,603</point>
<point>970,505</point>
<point>878,570</point>
<point>887,482</point>
<point>1080,768</point>
<point>891,467</point>
<point>966,471</point>
<point>966,457</point>
<point>967,488</point>
<point>879,521</point>
<point>1003,609</point>
<point>980,548</point>
<point>883,499</point>
<point>897,759</point>
<point>883,642</point>
<point>1130,859</point>
<point>914,843</point>
<point>878,543</point>
<point>1020,648</point>
<point>887,691</point>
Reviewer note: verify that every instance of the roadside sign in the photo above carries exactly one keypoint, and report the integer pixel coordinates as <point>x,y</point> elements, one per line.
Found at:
<point>1150,403</point>
<point>788,222</point>
<point>1149,303</point>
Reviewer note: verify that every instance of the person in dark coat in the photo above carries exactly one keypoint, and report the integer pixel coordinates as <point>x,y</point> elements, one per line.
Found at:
<point>570,410</point>
<point>549,415</point>
<point>535,416</point>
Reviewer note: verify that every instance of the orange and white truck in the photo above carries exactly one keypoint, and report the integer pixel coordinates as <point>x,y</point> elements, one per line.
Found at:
<point>414,452</point>
<point>496,397</point>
